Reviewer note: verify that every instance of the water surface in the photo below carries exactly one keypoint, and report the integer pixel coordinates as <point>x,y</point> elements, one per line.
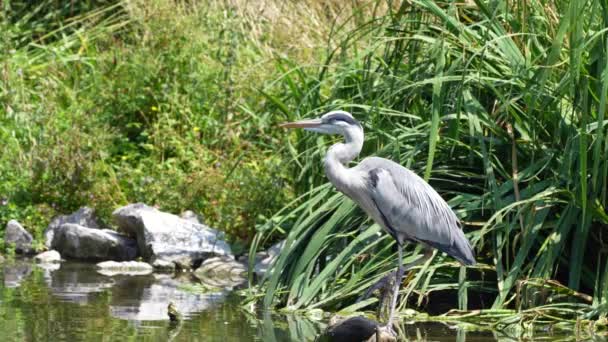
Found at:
<point>73,302</point>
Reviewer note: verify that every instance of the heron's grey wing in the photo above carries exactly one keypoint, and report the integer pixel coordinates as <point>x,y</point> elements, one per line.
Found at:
<point>414,210</point>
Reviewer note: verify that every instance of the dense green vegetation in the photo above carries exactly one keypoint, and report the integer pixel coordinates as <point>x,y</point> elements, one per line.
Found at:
<point>105,103</point>
<point>500,105</point>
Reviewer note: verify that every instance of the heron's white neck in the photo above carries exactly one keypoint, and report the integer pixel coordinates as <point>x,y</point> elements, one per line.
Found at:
<point>339,155</point>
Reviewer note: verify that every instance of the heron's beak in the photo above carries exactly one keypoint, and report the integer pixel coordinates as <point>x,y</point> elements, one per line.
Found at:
<point>313,123</point>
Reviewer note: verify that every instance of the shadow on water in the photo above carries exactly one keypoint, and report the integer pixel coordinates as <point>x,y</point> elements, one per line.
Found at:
<point>72,302</point>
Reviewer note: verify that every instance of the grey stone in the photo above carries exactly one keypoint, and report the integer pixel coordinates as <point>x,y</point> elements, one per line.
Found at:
<point>112,268</point>
<point>222,272</point>
<point>85,217</point>
<point>163,265</point>
<point>265,259</point>
<point>276,249</point>
<point>168,237</point>
<point>16,235</point>
<point>48,257</point>
<point>76,241</point>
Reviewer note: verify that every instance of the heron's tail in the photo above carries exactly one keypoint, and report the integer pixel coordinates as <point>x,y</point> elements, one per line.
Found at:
<point>460,248</point>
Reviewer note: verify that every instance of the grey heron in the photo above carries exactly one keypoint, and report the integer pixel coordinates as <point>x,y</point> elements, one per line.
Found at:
<point>397,199</point>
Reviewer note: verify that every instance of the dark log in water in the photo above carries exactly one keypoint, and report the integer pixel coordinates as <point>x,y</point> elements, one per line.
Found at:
<point>356,329</point>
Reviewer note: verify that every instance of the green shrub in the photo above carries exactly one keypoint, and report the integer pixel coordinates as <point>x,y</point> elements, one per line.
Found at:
<point>135,102</point>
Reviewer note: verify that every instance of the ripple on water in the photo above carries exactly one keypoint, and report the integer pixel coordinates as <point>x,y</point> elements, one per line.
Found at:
<point>153,295</point>
<point>76,282</point>
<point>15,272</point>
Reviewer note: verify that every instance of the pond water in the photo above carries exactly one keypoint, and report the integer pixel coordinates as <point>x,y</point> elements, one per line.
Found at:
<point>72,302</point>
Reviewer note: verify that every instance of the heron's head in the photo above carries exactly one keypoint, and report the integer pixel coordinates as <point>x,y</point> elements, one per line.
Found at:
<point>335,122</point>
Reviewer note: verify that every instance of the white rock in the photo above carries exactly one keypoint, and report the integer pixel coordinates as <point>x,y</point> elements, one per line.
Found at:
<point>111,268</point>
<point>48,257</point>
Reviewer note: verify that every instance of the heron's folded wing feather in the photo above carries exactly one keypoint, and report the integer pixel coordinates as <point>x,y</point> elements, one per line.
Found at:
<point>413,208</point>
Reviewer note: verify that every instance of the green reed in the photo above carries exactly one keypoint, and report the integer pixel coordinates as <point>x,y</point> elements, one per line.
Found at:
<point>501,106</point>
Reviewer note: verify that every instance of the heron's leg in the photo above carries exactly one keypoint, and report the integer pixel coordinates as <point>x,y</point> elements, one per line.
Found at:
<point>428,253</point>
<point>383,284</point>
<point>398,276</point>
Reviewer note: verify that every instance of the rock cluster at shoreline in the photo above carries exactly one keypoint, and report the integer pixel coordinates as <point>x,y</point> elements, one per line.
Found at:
<point>159,241</point>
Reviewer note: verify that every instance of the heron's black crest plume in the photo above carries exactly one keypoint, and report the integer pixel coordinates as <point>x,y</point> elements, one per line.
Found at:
<point>340,116</point>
